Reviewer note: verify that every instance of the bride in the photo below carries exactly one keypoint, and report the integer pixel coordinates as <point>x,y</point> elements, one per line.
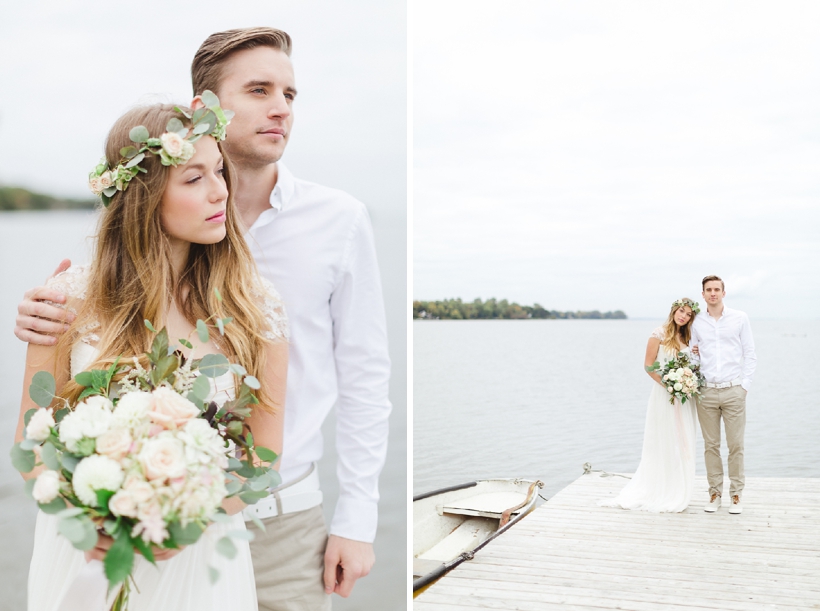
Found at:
<point>665,476</point>
<point>168,240</point>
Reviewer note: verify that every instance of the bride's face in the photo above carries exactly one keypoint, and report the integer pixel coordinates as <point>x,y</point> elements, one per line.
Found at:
<point>683,315</point>
<point>193,206</point>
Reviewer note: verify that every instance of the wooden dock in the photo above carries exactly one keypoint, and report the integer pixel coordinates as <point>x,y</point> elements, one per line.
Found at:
<point>571,554</point>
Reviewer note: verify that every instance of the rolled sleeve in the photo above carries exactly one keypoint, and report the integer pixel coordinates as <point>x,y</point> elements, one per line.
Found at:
<point>363,374</point>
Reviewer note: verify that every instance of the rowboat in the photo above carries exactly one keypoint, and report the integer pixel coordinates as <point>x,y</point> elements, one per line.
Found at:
<point>451,524</point>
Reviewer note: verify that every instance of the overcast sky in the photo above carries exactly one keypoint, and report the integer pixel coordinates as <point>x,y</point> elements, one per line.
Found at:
<point>608,155</point>
<point>69,70</point>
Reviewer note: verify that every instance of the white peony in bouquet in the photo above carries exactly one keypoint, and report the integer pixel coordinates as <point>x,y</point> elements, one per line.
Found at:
<point>681,376</point>
<point>144,459</point>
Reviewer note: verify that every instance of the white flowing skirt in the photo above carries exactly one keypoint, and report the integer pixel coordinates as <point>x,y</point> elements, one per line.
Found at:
<point>179,584</point>
<point>664,480</point>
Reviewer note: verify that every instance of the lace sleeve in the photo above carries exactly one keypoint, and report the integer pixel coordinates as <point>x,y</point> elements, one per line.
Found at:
<point>73,283</point>
<point>658,333</point>
<point>274,310</point>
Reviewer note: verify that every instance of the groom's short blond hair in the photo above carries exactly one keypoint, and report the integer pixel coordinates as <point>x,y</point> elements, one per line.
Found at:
<point>709,279</point>
<point>206,69</point>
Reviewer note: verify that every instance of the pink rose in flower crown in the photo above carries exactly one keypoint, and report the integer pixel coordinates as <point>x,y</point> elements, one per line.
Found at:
<point>171,410</point>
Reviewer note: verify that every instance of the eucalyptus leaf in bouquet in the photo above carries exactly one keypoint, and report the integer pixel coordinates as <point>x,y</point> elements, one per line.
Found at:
<point>143,455</point>
<point>681,377</point>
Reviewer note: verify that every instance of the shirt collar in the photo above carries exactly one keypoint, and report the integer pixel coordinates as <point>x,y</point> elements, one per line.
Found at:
<point>283,191</point>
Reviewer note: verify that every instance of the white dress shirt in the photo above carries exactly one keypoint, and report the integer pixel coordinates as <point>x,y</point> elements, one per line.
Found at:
<point>316,245</point>
<point>726,346</point>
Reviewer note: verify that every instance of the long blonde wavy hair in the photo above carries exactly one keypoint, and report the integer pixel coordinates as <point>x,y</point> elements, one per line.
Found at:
<point>131,278</point>
<point>675,338</point>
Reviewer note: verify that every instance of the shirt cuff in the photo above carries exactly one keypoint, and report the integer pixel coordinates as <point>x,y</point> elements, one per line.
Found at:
<point>746,384</point>
<point>355,519</point>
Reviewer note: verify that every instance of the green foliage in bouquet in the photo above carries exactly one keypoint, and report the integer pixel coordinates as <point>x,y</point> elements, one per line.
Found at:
<point>248,474</point>
<point>680,376</point>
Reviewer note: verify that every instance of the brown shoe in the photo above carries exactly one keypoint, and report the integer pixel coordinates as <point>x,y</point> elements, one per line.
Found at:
<point>713,504</point>
<point>735,507</point>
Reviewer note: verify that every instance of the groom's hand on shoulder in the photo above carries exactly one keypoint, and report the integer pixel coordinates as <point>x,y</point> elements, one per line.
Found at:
<point>39,322</point>
<point>346,561</point>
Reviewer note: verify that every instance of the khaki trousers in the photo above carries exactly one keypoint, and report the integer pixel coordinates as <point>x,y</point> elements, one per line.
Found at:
<point>288,562</point>
<point>730,404</point>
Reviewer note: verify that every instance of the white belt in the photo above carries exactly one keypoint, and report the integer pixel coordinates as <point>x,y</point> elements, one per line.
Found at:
<point>298,495</point>
<point>723,384</point>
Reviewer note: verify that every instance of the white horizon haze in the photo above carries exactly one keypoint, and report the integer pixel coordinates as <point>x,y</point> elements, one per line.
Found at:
<point>608,156</point>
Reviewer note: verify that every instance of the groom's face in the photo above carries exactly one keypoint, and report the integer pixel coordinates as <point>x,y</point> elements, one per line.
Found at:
<point>259,86</point>
<point>713,292</point>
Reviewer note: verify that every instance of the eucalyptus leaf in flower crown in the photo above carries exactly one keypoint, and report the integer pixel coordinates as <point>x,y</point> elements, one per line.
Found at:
<point>174,147</point>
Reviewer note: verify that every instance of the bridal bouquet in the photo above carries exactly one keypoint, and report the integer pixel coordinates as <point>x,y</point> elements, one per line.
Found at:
<point>144,459</point>
<point>682,377</point>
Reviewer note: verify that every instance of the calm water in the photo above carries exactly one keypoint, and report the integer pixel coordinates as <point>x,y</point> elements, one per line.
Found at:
<point>31,246</point>
<point>540,398</point>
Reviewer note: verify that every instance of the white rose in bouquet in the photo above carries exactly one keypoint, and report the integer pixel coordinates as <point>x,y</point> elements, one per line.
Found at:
<point>115,443</point>
<point>171,410</point>
<point>123,504</point>
<point>39,427</point>
<point>90,419</point>
<point>203,443</point>
<point>47,487</point>
<point>163,458</point>
<point>678,386</point>
<point>96,473</point>
<point>132,410</point>
<point>140,490</point>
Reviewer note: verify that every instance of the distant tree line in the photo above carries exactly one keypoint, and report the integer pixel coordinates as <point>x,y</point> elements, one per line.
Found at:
<point>17,198</point>
<point>456,309</point>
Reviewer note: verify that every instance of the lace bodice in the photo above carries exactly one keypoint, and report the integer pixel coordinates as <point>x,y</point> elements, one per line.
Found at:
<point>73,283</point>
<point>664,354</point>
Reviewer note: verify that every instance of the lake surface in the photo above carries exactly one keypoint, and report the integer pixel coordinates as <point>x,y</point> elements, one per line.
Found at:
<point>539,398</point>
<point>31,246</point>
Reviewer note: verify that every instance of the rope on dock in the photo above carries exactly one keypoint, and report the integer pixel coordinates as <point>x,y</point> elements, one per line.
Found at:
<point>588,469</point>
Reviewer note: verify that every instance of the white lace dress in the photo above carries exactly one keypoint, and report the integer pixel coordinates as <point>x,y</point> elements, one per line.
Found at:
<point>664,479</point>
<point>58,576</point>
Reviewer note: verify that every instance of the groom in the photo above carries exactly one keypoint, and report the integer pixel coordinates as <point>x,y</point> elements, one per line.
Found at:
<point>316,245</point>
<point>724,340</point>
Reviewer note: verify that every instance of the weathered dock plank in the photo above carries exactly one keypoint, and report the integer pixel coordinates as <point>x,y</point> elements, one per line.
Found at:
<point>570,553</point>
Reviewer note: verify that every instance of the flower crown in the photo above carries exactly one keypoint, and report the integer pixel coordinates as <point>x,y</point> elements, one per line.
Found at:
<point>687,302</point>
<point>175,147</point>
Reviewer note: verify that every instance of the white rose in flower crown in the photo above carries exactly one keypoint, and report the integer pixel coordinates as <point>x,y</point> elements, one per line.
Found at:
<point>106,179</point>
<point>95,184</point>
<point>123,504</point>
<point>188,151</point>
<point>47,487</point>
<point>91,418</point>
<point>39,427</point>
<point>172,143</point>
<point>114,443</point>
<point>171,410</point>
<point>163,458</point>
<point>96,473</point>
